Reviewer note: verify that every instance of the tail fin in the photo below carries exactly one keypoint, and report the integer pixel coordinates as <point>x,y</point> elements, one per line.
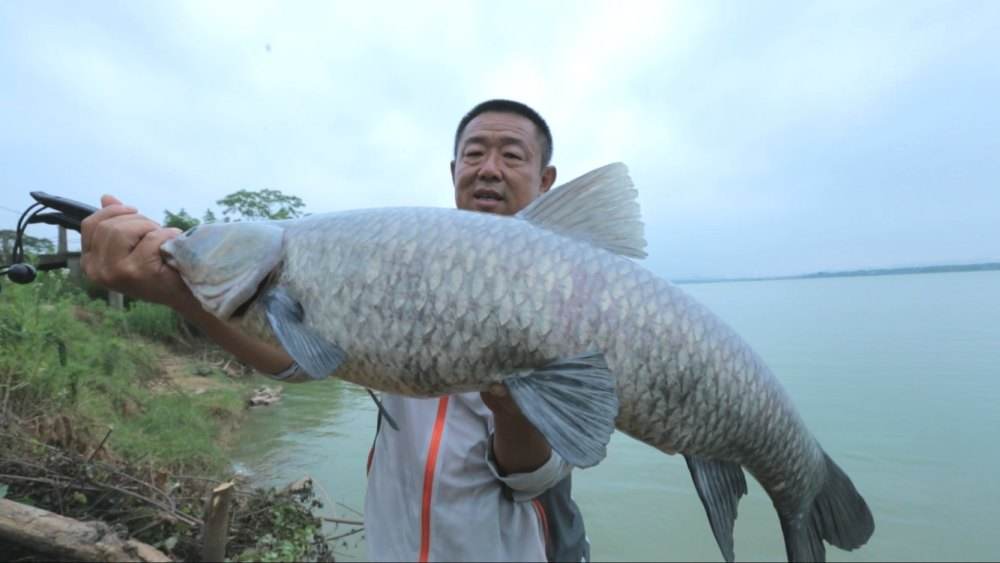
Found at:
<point>838,515</point>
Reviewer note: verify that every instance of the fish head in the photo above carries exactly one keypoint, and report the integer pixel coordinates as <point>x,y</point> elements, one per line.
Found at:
<point>224,264</point>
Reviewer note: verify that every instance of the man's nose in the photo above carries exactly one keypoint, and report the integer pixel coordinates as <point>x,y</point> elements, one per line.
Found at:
<point>489,171</point>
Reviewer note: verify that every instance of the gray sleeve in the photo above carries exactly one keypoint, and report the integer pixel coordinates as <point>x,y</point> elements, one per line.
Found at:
<point>291,374</point>
<point>526,486</point>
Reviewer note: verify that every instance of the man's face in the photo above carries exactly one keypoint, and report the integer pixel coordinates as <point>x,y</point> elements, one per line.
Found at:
<point>498,168</point>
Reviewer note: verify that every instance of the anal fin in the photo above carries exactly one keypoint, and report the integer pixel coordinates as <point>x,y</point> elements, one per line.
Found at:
<point>573,403</point>
<point>720,485</point>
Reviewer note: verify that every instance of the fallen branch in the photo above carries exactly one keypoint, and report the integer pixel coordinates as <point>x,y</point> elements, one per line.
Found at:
<point>343,521</point>
<point>99,446</point>
<point>344,535</point>
<point>66,538</point>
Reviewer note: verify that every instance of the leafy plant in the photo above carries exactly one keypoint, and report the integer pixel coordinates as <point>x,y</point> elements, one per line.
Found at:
<point>282,528</point>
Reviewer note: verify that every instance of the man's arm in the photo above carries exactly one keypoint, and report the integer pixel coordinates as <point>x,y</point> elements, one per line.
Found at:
<point>121,251</point>
<point>517,445</point>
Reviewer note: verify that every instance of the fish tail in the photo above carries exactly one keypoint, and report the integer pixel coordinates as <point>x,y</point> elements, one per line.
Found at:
<point>838,515</point>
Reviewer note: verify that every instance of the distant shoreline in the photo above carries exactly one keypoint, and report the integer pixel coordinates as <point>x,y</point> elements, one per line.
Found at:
<point>855,273</point>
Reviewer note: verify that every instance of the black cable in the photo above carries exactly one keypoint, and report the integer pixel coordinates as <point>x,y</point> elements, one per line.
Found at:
<point>21,222</point>
<point>22,225</point>
<point>17,251</point>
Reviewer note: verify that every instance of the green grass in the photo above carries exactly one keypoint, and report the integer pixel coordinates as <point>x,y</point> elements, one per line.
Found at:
<point>152,321</point>
<point>61,352</point>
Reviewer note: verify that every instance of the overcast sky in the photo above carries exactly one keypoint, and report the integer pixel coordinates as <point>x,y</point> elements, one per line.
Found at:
<point>764,138</point>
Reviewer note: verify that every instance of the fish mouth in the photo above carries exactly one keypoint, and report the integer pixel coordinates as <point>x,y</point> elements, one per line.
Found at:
<point>167,253</point>
<point>215,296</point>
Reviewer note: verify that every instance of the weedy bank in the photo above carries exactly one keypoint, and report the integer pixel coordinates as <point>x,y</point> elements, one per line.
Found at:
<point>123,416</point>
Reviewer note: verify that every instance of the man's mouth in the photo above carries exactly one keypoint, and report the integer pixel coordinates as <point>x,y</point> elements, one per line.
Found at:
<point>486,194</point>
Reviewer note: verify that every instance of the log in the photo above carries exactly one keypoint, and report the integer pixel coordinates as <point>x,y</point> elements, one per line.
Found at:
<point>216,532</point>
<point>68,539</point>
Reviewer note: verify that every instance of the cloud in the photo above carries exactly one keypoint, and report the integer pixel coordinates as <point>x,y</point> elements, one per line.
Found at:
<point>762,137</point>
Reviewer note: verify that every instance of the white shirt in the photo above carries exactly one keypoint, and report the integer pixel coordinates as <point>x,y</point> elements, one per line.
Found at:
<point>434,493</point>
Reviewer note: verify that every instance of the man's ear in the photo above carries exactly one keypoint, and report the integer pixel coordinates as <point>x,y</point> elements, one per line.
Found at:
<point>548,178</point>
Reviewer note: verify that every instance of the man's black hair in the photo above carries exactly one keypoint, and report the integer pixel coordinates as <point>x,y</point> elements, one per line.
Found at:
<point>517,108</point>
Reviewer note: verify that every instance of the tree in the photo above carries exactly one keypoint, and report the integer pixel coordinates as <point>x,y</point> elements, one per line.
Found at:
<point>32,246</point>
<point>180,220</point>
<point>262,204</point>
<point>241,205</point>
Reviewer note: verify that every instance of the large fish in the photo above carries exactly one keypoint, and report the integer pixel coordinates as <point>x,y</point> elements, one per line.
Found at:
<point>425,302</point>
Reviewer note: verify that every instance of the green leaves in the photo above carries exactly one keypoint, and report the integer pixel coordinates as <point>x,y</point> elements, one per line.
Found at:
<point>261,204</point>
<point>180,220</point>
<point>283,529</point>
<point>244,205</point>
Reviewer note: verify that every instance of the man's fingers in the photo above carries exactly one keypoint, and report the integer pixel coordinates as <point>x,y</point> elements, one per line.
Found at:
<point>110,243</point>
<point>108,200</point>
<point>128,227</point>
<point>89,224</point>
<point>149,247</point>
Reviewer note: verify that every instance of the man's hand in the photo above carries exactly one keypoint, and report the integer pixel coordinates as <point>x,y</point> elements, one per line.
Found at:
<point>518,446</point>
<point>121,251</point>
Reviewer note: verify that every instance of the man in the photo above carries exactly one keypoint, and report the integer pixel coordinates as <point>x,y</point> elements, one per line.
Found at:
<point>466,477</point>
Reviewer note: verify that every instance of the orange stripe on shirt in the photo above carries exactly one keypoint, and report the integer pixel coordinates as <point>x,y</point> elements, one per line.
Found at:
<point>540,510</point>
<point>432,454</point>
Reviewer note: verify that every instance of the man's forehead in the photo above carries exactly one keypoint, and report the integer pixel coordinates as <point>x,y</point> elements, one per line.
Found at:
<point>501,125</point>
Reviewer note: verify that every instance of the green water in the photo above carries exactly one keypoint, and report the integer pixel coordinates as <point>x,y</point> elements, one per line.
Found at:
<point>898,377</point>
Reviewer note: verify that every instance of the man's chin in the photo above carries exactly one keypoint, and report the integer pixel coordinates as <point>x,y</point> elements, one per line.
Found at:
<point>489,205</point>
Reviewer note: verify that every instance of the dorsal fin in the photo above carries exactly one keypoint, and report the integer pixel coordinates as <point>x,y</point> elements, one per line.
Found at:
<point>599,207</point>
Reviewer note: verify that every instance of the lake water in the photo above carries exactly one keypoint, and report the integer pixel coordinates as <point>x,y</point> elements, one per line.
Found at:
<point>897,376</point>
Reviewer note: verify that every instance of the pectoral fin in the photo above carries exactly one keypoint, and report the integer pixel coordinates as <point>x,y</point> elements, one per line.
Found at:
<point>573,403</point>
<point>315,355</point>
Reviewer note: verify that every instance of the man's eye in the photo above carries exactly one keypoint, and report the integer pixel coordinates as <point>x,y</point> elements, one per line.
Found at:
<point>513,156</point>
<point>473,154</point>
